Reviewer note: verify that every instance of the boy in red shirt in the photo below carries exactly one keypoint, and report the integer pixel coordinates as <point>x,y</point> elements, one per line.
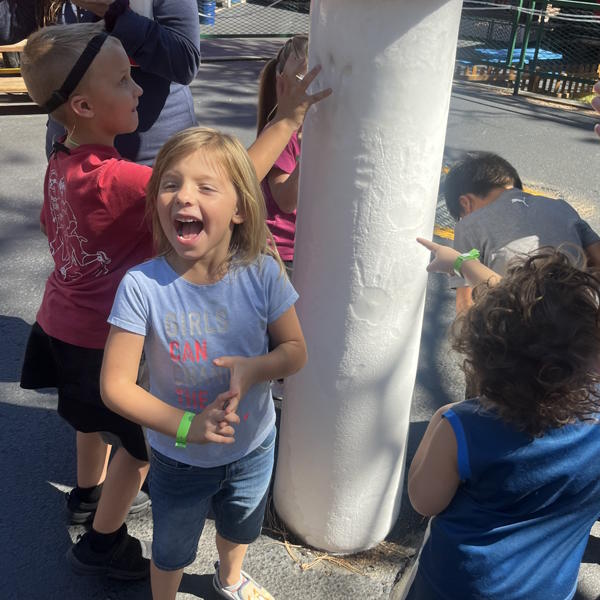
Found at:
<point>93,215</point>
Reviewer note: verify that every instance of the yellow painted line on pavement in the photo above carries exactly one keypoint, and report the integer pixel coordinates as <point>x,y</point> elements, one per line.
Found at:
<point>534,192</point>
<point>443,232</point>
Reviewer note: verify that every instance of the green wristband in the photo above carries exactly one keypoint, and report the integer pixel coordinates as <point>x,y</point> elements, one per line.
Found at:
<point>183,429</point>
<point>473,254</point>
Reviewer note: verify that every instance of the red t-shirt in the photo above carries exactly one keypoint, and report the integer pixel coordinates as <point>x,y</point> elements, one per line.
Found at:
<point>93,213</point>
<point>282,224</point>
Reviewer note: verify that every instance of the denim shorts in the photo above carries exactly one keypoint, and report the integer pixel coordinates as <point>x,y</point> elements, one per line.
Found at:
<point>182,495</point>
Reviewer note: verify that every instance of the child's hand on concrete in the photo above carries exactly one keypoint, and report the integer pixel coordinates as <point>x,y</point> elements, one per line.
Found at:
<point>295,69</point>
<point>294,101</point>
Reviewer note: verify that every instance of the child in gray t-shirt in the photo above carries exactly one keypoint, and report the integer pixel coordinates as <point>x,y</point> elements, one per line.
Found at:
<point>495,216</point>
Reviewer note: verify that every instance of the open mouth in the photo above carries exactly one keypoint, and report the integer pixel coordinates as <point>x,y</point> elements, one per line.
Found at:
<point>188,229</point>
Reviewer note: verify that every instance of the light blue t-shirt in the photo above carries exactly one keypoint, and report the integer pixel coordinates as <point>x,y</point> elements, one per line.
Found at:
<point>187,326</point>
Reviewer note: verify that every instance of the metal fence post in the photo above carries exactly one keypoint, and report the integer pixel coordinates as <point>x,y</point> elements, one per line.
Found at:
<point>524,45</point>
<point>514,34</point>
<point>540,35</point>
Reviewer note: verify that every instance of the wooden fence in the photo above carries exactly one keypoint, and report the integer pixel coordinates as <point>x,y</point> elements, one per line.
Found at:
<point>558,80</point>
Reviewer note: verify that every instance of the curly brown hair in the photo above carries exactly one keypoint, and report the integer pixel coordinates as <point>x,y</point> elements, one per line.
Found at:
<point>532,342</point>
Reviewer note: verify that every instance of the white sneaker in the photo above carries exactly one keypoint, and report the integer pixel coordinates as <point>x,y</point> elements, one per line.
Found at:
<point>248,590</point>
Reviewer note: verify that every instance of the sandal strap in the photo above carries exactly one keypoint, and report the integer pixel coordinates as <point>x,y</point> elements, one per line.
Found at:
<point>257,593</point>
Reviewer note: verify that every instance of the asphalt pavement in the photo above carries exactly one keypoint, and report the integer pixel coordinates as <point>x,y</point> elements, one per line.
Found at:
<point>554,150</point>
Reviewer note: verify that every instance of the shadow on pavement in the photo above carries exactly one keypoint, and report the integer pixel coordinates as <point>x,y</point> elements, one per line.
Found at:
<point>506,104</point>
<point>592,551</point>
<point>198,585</point>
<point>14,332</point>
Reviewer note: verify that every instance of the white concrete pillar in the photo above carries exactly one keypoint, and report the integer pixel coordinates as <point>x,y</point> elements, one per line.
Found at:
<point>370,167</point>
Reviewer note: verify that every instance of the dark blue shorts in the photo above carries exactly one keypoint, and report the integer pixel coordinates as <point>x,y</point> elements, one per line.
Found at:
<point>182,495</point>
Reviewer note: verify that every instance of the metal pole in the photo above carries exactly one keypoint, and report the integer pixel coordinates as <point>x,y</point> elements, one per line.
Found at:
<point>524,49</point>
<point>540,35</point>
<point>513,35</point>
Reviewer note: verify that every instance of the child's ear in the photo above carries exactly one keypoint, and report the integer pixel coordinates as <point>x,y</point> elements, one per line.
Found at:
<point>80,105</point>
<point>466,203</point>
<point>238,216</point>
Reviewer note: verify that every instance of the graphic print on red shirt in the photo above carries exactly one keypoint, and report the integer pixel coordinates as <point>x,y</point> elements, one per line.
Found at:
<point>94,217</point>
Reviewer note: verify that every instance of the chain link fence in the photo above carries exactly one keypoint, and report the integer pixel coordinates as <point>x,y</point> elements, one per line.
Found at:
<point>253,18</point>
<point>551,48</point>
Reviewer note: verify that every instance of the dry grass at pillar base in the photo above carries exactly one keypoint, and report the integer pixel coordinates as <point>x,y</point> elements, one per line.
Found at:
<point>362,563</point>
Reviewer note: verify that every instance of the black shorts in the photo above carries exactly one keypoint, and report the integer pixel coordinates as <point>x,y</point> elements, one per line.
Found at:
<point>75,372</point>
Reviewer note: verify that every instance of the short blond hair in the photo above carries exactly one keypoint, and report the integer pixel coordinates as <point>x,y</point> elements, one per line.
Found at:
<point>250,238</point>
<point>50,54</point>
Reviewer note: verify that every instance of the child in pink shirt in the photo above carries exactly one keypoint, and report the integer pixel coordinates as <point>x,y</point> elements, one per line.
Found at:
<point>280,186</point>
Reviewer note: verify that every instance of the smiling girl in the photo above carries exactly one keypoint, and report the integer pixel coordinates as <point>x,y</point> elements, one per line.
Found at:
<point>209,412</point>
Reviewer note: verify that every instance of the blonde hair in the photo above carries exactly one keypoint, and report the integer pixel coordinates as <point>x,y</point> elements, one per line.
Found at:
<point>49,56</point>
<point>249,239</point>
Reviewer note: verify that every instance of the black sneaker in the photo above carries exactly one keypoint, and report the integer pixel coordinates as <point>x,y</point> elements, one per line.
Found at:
<point>128,559</point>
<point>81,511</point>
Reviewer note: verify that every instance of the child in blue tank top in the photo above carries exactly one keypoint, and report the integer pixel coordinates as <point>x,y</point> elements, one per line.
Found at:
<point>512,477</point>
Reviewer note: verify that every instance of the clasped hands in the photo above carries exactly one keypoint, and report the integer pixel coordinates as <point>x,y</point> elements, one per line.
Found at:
<point>216,423</point>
